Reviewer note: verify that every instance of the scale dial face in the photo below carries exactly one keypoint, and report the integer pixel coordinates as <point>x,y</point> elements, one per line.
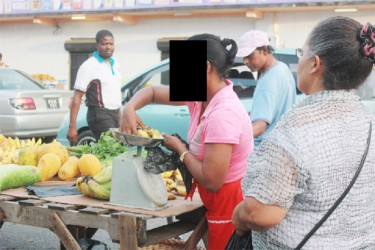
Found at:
<point>153,187</point>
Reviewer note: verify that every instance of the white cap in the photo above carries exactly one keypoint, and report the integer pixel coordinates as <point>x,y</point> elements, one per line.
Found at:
<point>250,41</point>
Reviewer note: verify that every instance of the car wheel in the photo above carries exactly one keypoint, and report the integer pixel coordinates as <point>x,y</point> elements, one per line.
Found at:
<point>85,138</point>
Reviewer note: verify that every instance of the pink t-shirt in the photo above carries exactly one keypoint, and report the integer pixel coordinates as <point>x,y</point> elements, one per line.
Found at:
<point>225,120</point>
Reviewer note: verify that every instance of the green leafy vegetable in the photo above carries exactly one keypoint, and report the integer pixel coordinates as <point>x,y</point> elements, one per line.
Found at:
<point>106,148</point>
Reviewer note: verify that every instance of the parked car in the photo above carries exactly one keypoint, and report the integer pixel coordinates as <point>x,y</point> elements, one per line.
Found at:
<point>173,119</point>
<point>27,109</point>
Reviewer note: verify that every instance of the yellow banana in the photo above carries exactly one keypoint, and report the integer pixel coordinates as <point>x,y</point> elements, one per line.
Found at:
<point>177,175</point>
<point>171,186</point>
<point>86,190</point>
<point>39,142</point>
<point>23,143</point>
<point>99,191</point>
<point>78,183</point>
<point>171,196</point>
<point>167,174</point>
<point>11,142</point>
<point>105,175</point>
<point>153,133</point>
<point>143,133</point>
<point>181,190</point>
<point>17,142</point>
<point>83,187</point>
<point>14,156</point>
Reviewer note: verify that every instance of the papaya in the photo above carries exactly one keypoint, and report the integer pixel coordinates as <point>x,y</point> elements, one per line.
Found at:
<point>56,148</point>
<point>49,166</point>
<point>89,164</point>
<point>28,156</point>
<point>69,170</point>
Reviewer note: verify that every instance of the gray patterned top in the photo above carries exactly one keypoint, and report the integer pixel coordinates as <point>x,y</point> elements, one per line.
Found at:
<point>306,163</point>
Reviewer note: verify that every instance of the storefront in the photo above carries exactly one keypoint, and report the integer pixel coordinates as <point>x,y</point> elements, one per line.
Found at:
<point>37,43</point>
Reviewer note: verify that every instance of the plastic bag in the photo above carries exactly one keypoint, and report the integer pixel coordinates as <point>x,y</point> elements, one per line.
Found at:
<point>90,244</point>
<point>158,161</point>
<point>237,242</point>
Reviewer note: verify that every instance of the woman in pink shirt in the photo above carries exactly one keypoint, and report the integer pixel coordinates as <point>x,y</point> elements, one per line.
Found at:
<point>220,138</point>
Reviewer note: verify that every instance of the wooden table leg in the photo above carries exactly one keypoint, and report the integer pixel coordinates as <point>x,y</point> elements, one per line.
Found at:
<point>127,232</point>
<point>79,232</point>
<point>58,226</point>
<point>2,217</point>
<point>197,234</point>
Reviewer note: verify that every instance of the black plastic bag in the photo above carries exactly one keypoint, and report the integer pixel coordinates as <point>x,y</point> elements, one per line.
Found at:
<point>90,244</point>
<point>158,161</point>
<point>237,242</point>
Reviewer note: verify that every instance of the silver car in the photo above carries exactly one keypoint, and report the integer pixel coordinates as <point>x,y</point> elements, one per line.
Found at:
<point>28,109</point>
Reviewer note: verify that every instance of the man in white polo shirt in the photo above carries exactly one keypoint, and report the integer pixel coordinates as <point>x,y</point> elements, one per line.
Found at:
<point>98,78</point>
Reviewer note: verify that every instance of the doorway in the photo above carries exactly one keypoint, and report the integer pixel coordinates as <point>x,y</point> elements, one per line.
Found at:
<point>80,49</point>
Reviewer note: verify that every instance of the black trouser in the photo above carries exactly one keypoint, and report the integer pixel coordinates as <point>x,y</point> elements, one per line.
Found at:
<point>101,120</point>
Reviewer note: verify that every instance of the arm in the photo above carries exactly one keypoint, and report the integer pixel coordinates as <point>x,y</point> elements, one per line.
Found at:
<point>251,214</point>
<point>145,96</point>
<point>259,127</point>
<point>76,102</point>
<point>270,185</point>
<point>212,170</point>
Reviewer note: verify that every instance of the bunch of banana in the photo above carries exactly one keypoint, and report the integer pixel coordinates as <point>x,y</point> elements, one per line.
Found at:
<point>10,147</point>
<point>98,186</point>
<point>149,133</point>
<point>173,182</point>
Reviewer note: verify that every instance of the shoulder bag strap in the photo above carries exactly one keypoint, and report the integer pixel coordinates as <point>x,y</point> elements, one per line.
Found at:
<point>330,211</point>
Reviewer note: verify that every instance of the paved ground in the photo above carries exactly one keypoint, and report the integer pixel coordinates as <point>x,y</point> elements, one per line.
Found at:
<point>16,236</point>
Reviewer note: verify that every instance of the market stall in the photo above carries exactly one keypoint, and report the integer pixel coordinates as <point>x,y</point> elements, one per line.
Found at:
<point>77,216</point>
<point>105,185</point>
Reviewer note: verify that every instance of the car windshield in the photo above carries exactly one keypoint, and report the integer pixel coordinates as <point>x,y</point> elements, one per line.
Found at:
<point>14,79</point>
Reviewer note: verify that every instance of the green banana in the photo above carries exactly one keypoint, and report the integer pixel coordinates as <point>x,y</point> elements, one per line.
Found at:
<point>107,185</point>
<point>99,191</point>
<point>104,176</point>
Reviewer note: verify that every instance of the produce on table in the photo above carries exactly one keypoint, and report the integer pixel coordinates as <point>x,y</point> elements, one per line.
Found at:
<point>49,165</point>
<point>28,156</point>
<point>174,183</point>
<point>97,186</point>
<point>10,147</point>
<point>89,164</point>
<point>104,176</point>
<point>14,176</point>
<point>69,170</point>
<point>56,148</point>
<point>149,133</point>
<point>105,149</point>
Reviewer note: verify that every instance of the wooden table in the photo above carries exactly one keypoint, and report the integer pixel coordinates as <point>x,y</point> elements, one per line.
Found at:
<point>74,217</point>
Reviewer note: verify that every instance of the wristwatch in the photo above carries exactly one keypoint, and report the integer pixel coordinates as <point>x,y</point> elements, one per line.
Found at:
<point>182,156</point>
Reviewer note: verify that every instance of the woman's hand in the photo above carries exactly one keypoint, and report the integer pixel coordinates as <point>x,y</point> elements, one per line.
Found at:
<point>130,121</point>
<point>174,144</point>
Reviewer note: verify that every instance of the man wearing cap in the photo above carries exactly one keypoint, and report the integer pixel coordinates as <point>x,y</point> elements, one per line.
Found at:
<point>276,88</point>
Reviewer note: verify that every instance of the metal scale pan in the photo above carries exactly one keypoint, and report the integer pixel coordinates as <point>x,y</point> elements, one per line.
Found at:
<point>135,140</point>
<point>132,185</point>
